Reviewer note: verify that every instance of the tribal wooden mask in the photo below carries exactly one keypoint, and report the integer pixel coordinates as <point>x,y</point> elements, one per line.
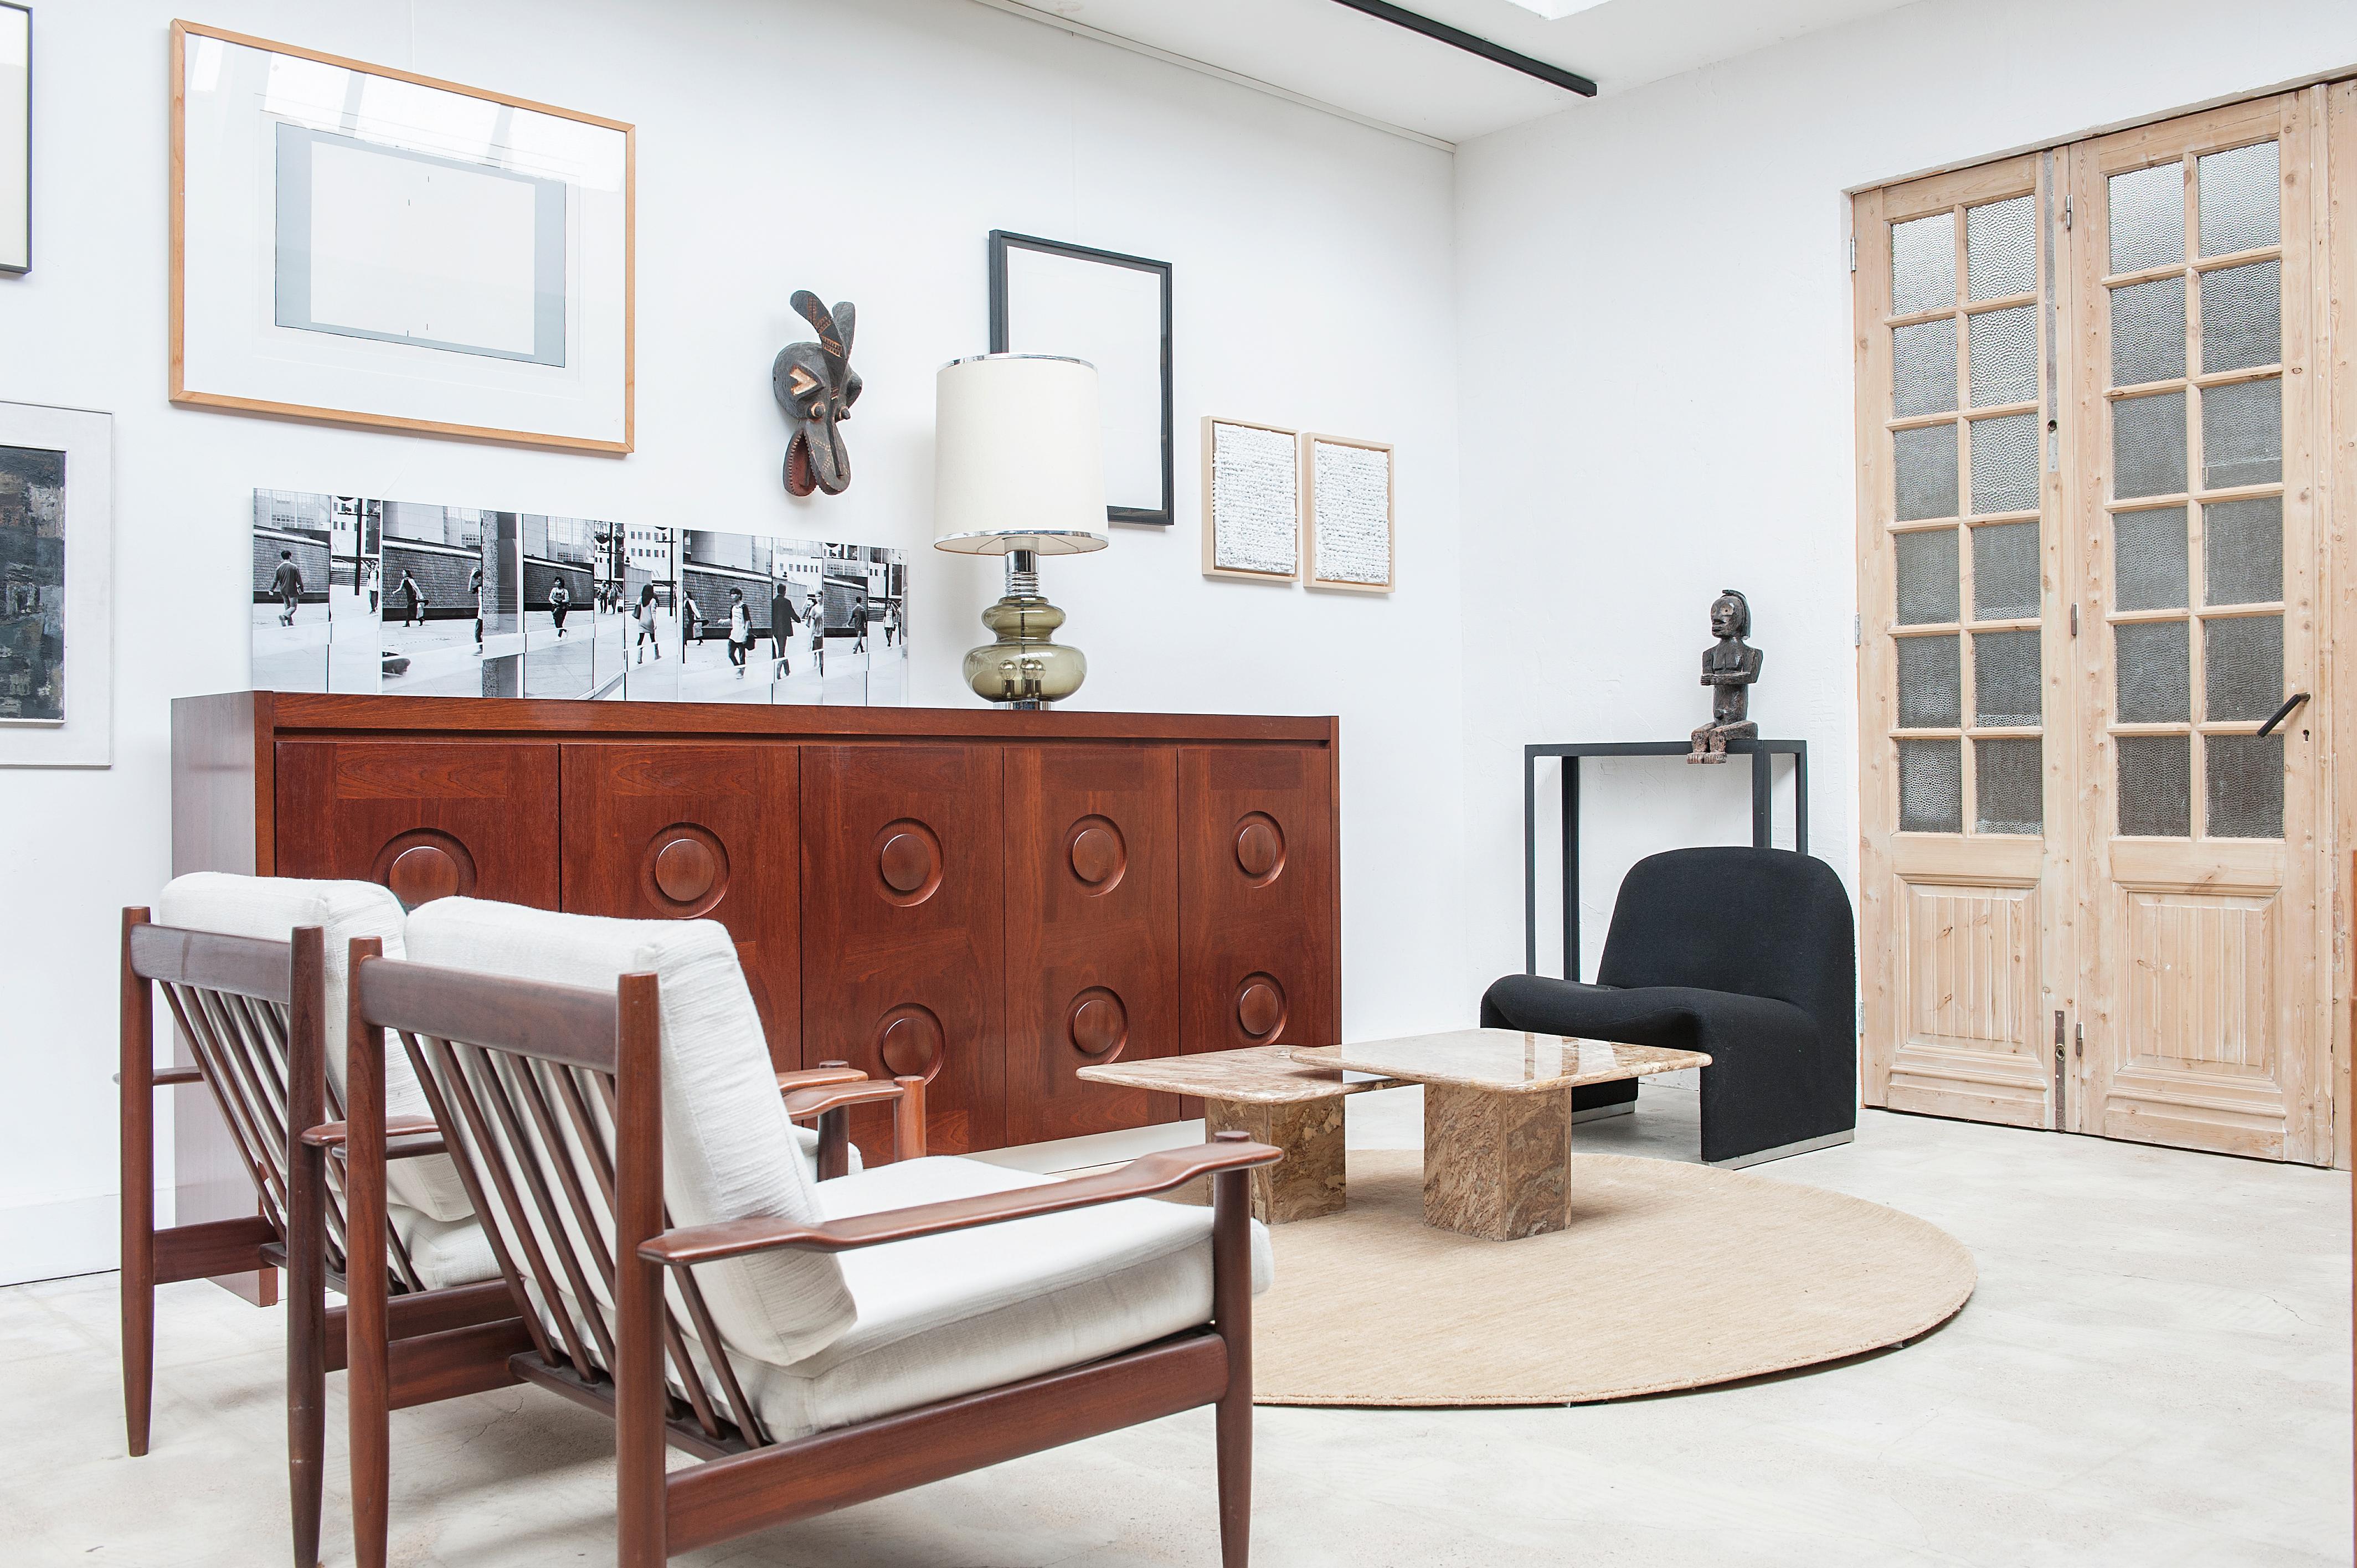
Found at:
<point>816,386</point>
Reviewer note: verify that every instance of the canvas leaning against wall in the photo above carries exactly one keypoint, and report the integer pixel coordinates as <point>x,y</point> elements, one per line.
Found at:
<point>354,594</point>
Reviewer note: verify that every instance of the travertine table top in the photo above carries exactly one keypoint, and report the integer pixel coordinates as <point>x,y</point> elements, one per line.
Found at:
<point>1503,1061</point>
<point>1258,1075</point>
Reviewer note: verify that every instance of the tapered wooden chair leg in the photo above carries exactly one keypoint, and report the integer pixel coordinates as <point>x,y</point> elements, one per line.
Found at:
<point>306,1362</point>
<point>368,1370</point>
<point>1231,1311</point>
<point>137,1120</point>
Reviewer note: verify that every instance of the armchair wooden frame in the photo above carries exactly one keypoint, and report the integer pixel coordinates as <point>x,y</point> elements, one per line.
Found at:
<point>254,1014</point>
<point>542,1083</point>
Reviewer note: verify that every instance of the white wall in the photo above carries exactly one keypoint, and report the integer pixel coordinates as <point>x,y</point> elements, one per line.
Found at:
<point>1653,306</point>
<point>860,149</point>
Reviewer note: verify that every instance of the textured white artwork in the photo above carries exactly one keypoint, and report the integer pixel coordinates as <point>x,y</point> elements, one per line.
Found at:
<point>1255,501</point>
<point>1350,514</point>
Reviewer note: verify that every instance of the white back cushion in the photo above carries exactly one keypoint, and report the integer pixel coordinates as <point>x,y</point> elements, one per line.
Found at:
<point>729,1151</point>
<point>268,908</point>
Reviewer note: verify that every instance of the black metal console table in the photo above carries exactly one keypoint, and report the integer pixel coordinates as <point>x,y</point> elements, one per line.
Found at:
<point>1572,752</point>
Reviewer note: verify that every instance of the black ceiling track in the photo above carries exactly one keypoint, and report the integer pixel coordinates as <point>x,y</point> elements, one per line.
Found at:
<point>1570,81</point>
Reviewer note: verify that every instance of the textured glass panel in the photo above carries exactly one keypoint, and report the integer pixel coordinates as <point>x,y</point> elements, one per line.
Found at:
<point>2246,777</point>
<point>2148,218</point>
<point>1927,576</point>
<point>2001,247</point>
<point>2149,332</point>
<point>2157,786</point>
<point>1923,264</point>
<point>2156,672</point>
<point>1927,472</point>
<point>2242,317</point>
<point>2005,680</point>
<point>2005,464</point>
<point>2242,551</point>
<point>2011,797</point>
<point>2148,560</point>
<point>2241,667</point>
<point>2242,198</point>
<point>2242,434</point>
<point>2005,570</point>
<point>2148,445</point>
<point>1931,786</point>
<point>1924,368</point>
<point>1931,684</point>
<point>2005,355</point>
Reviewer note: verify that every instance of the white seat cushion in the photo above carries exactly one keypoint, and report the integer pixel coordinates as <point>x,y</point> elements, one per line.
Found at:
<point>729,1151</point>
<point>268,908</point>
<point>950,1314</point>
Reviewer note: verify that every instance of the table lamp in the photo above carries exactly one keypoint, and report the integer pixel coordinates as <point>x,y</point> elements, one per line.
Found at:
<point>1018,471</point>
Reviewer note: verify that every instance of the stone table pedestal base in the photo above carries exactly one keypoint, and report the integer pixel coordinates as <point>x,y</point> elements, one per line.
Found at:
<point>1308,1182</point>
<point>1495,1166</point>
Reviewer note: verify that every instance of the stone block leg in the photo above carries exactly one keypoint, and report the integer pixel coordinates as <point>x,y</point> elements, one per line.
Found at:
<point>1496,1166</point>
<point>1308,1182</point>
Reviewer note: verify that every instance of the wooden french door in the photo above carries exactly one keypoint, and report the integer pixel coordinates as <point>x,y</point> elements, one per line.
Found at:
<point>2095,438</point>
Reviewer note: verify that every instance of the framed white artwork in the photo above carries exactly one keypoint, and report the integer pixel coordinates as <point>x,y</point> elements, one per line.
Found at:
<point>362,245</point>
<point>15,137</point>
<point>57,567</point>
<point>1347,512</point>
<point>1049,297</point>
<point>1252,501</point>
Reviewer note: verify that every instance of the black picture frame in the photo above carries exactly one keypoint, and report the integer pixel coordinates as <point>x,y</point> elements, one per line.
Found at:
<point>1001,241</point>
<point>13,268</point>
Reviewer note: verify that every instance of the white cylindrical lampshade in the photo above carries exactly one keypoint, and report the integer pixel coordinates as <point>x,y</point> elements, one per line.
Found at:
<point>1018,456</point>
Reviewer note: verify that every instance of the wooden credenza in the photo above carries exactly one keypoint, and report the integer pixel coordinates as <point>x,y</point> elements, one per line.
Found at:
<point>990,899</point>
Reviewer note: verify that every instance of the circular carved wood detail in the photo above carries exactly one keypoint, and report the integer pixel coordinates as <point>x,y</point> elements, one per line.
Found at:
<point>1260,848</point>
<point>1097,852</point>
<point>1260,1007</point>
<point>1097,1024</point>
<point>908,861</point>
<point>423,864</point>
<point>909,1042</point>
<point>684,870</point>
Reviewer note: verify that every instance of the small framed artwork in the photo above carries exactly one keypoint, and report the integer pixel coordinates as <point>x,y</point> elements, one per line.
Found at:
<point>15,137</point>
<point>360,245</point>
<point>57,637</point>
<point>1252,501</point>
<point>1346,509</point>
<point>1047,298</point>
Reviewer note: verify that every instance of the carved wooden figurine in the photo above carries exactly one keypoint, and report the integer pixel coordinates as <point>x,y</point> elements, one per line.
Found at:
<point>1730,666</point>
<point>816,386</point>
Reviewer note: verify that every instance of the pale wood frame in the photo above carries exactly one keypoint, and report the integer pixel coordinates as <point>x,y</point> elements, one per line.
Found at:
<point>181,394</point>
<point>1211,513</point>
<point>1308,469</point>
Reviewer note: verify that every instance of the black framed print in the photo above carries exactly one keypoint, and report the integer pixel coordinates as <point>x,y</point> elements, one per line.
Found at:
<point>15,137</point>
<point>1112,310</point>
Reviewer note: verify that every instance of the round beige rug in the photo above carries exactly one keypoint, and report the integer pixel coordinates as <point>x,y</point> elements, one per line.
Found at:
<point>1670,1276</point>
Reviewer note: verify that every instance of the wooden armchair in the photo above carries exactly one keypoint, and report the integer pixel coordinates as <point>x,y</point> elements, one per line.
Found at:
<point>255,1013</point>
<point>815,1343</point>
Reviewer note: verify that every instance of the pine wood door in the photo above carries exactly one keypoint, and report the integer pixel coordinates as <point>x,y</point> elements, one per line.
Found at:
<point>1965,870</point>
<point>2199,293</point>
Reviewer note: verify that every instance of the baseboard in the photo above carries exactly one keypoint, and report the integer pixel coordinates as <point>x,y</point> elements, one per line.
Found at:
<point>1785,1150</point>
<point>1598,1113</point>
<point>67,1236</point>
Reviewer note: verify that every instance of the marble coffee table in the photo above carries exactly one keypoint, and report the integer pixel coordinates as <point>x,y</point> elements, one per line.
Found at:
<point>1264,1093</point>
<point>1497,1117</point>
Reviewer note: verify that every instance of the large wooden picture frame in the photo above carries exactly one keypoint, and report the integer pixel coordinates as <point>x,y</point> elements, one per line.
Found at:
<point>1336,561</point>
<point>285,205</point>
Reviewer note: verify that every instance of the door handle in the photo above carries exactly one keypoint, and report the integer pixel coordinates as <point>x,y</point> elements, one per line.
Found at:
<point>2294,700</point>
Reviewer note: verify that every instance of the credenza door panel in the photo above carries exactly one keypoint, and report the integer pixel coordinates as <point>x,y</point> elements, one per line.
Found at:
<point>1257,904</point>
<point>1092,933</point>
<point>903,921</point>
<point>427,819</point>
<point>682,832</point>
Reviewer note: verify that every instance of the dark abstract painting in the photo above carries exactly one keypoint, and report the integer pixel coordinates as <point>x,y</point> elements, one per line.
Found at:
<point>32,584</point>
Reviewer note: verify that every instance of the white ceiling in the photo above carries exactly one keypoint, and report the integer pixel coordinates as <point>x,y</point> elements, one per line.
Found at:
<point>1324,51</point>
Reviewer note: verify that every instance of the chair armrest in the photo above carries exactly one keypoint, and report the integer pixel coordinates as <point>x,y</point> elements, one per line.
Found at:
<point>803,1103</point>
<point>818,1077</point>
<point>1140,1178</point>
<point>414,1132</point>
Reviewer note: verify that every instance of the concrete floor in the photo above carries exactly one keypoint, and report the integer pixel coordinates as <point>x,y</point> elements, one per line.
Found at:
<point>2155,1370</point>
